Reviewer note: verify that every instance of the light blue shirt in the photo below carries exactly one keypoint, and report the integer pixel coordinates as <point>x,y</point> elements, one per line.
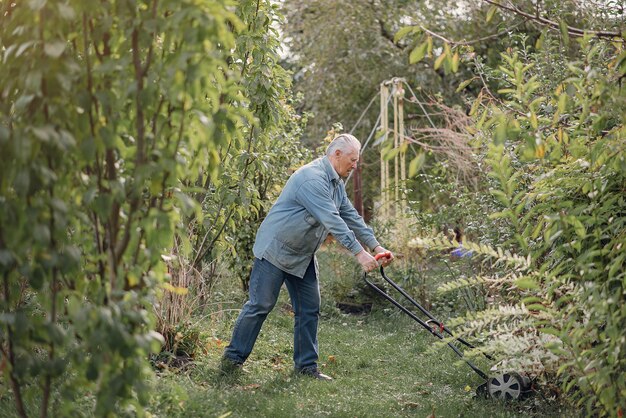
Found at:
<point>313,204</point>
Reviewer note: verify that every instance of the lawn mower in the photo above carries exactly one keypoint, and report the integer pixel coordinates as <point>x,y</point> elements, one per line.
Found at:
<point>506,386</point>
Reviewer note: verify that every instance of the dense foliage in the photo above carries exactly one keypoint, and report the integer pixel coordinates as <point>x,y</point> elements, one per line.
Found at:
<point>550,123</point>
<point>141,141</point>
<point>131,133</point>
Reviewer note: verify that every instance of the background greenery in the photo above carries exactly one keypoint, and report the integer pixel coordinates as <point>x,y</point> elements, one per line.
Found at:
<point>142,143</point>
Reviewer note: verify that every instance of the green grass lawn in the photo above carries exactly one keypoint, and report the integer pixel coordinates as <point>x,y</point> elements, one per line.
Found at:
<point>381,365</point>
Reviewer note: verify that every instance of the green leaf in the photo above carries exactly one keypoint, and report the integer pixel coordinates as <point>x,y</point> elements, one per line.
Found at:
<point>579,228</point>
<point>540,40</point>
<point>476,105</point>
<point>4,134</point>
<point>403,32</point>
<point>23,101</point>
<point>550,330</point>
<point>562,104</point>
<point>455,62</point>
<point>36,278</point>
<point>92,370</point>
<point>439,61</point>
<point>491,13</point>
<point>616,265</point>
<point>54,49</point>
<point>416,164</point>
<point>45,133</point>
<point>23,47</point>
<point>501,131</point>
<point>56,334</point>
<point>418,53</point>
<point>564,31</point>
<point>526,283</point>
<point>35,5</point>
<point>66,11</point>
<point>390,154</point>
<point>7,318</point>
<point>620,64</point>
<point>6,258</point>
<point>464,84</point>
<point>41,233</point>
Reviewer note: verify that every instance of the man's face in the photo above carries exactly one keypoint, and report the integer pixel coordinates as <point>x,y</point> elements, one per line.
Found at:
<point>345,161</point>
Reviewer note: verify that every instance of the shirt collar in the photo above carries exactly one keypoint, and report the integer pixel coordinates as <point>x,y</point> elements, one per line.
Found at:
<point>330,171</point>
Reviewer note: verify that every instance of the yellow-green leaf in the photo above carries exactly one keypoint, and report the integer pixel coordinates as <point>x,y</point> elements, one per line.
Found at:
<point>539,43</point>
<point>54,49</point>
<point>439,60</point>
<point>492,11</point>
<point>562,106</point>
<point>526,283</point>
<point>475,105</point>
<point>403,32</point>
<point>501,131</point>
<point>175,289</point>
<point>564,32</point>
<point>391,154</point>
<point>550,330</point>
<point>620,64</point>
<point>416,164</point>
<point>418,53</point>
<point>533,120</point>
<point>455,62</point>
<point>464,84</point>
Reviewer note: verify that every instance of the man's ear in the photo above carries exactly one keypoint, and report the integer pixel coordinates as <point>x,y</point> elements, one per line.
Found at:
<point>337,152</point>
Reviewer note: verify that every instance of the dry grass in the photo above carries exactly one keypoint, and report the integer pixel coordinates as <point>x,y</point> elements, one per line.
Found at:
<point>449,140</point>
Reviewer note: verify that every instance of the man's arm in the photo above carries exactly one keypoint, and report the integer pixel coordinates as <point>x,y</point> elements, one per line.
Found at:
<point>355,222</point>
<point>364,233</point>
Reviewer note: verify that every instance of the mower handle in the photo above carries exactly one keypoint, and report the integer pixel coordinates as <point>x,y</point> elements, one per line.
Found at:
<point>386,254</point>
<point>421,308</point>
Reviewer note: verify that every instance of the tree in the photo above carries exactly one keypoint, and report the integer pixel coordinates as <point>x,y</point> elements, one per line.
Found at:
<point>553,131</point>
<point>110,111</point>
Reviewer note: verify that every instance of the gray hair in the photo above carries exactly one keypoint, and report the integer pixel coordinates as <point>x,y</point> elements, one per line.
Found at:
<point>343,142</point>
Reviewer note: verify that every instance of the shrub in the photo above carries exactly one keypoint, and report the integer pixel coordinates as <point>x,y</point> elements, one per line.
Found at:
<point>557,155</point>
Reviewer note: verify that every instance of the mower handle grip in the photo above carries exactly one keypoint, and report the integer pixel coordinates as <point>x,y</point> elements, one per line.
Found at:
<point>386,254</point>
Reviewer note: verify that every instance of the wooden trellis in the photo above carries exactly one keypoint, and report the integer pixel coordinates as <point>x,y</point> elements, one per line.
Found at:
<point>393,200</point>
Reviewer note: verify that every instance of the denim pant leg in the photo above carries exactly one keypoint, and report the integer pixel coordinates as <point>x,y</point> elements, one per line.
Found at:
<point>305,298</point>
<point>265,283</point>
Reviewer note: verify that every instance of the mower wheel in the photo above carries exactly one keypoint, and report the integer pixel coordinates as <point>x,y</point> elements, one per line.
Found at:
<point>507,386</point>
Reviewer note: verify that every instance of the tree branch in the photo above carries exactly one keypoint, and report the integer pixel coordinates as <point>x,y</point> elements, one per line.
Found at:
<point>92,128</point>
<point>473,41</point>
<point>45,399</point>
<point>554,25</point>
<point>150,49</point>
<point>9,353</point>
<point>251,25</point>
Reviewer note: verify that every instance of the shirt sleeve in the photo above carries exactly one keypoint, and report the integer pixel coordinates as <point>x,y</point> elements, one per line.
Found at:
<point>317,199</point>
<point>355,222</point>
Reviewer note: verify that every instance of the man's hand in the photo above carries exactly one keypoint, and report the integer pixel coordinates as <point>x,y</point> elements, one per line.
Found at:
<point>367,261</point>
<point>384,261</point>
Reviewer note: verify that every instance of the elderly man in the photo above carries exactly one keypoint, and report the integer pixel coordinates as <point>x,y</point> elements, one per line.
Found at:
<point>312,204</point>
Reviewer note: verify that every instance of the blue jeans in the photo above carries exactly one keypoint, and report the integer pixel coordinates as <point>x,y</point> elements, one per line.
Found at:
<point>265,283</point>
